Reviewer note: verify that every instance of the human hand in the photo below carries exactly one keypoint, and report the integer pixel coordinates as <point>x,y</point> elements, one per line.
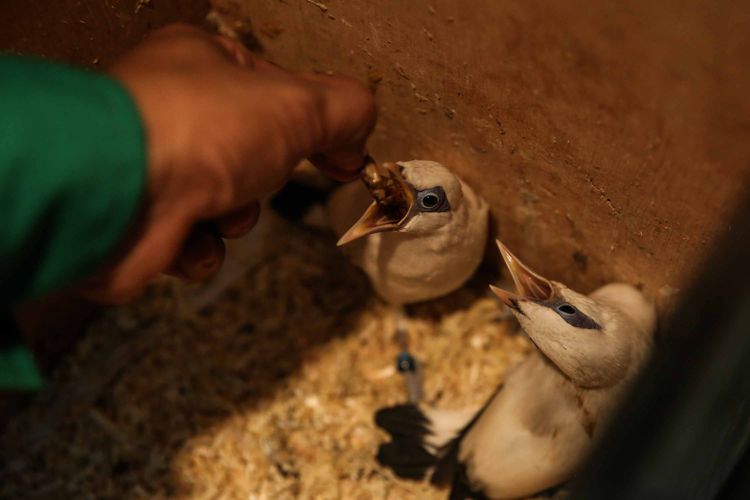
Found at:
<point>223,128</point>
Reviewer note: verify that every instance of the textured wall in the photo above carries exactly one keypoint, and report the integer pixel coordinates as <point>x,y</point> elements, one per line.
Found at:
<point>87,32</point>
<point>611,140</point>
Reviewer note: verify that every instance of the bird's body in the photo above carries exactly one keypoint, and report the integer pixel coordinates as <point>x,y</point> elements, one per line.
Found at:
<point>541,423</point>
<point>431,253</point>
<point>422,237</point>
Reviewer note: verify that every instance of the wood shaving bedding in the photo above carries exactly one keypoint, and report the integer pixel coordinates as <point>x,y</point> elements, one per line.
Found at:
<point>267,393</point>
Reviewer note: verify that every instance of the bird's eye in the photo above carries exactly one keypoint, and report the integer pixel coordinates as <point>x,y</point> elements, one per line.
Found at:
<point>432,200</point>
<point>574,317</point>
<point>567,309</point>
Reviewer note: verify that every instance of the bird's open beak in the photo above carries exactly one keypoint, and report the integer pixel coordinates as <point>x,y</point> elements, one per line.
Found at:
<point>394,200</point>
<point>529,285</point>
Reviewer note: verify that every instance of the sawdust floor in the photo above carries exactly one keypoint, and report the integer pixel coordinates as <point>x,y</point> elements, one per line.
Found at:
<point>267,393</point>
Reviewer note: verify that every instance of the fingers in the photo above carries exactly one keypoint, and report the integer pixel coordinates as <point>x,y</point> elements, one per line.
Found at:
<point>203,252</point>
<point>224,128</point>
<point>237,51</point>
<point>246,58</point>
<point>201,256</point>
<point>349,116</point>
<point>330,165</point>
<point>147,250</point>
<point>239,222</point>
<point>326,119</point>
<point>342,163</point>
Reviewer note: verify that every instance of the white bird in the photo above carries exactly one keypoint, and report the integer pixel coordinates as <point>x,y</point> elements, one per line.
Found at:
<point>422,238</point>
<point>540,424</point>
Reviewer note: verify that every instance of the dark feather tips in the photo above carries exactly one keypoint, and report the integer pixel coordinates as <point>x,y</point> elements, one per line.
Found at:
<point>405,454</point>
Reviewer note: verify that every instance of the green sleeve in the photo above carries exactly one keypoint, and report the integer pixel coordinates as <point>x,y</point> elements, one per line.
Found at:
<point>72,171</point>
<point>18,371</point>
<point>72,167</point>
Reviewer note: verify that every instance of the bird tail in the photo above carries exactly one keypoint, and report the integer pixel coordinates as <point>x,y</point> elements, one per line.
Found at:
<point>420,438</point>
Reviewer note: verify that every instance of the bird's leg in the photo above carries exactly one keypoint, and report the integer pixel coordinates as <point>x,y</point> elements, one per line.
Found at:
<point>406,364</point>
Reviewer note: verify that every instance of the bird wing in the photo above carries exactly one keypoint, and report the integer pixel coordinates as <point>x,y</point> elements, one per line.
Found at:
<point>406,453</point>
<point>424,440</point>
<point>528,439</point>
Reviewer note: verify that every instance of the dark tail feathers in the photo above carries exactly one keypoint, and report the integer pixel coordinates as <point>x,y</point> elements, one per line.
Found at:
<point>406,453</point>
<point>410,456</point>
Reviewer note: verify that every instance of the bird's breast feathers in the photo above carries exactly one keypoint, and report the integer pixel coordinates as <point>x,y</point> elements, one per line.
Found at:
<point>409,269</point>
<point>530,437</point>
